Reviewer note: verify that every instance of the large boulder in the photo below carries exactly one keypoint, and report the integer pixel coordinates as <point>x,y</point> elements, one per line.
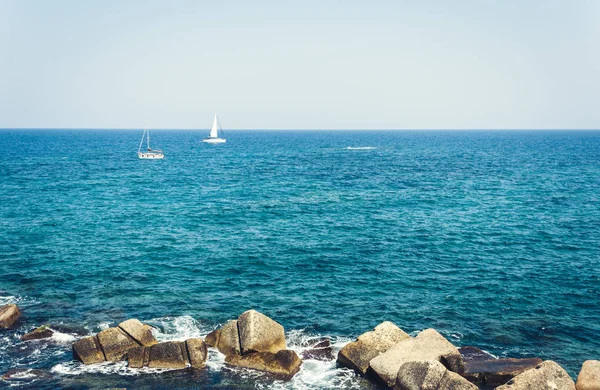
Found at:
<point>494,372</point>
<point>9,314</point>
<point>228,342</point>
<point>115,343</point>
<point>283,364</point>
<point>589,376</point>
<point>139,332</point>
<point>170,354</point>
<point>43,332</point>
<point>359,353</point>
<point>197,352</point>
<point>427,345</point>
<point>88,350</point>
<point>429,375</point>
<point>212,339</point>
<point>259,333</point>
<point>546,376</point>
<point>469,353</point>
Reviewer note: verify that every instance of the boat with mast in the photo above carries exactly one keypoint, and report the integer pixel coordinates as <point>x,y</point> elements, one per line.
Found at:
<point>215,131</point>
<point>149,153</point>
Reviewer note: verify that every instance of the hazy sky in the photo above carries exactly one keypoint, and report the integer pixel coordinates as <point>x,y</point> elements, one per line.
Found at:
<point>300,64</point>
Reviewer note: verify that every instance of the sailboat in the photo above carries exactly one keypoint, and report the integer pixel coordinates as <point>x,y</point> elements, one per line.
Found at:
<point>149,153</point>
<point>213,137</point>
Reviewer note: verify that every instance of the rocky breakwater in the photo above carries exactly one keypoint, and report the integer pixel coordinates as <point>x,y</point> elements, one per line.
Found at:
<point>9,314</point>
<point>133,341</point>
<point>257,342</point>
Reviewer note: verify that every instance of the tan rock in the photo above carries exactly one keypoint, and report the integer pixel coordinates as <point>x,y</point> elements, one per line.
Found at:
<point>283,364</point>
<point>589,376</point>
<point>9,314</point>
<point>136,357</point>
<point>115,343</point>
<point>88,350</point>
<point>427,345</point>
<point>229,340</point>
<point>430,375</point>
<point>197,352</point>
<point>546,376</point>
<point>170,354</point>
<point>139,332</point>
<point>259,333</point>
<point>212,339</point>
<point>43,332</point>
<point>359,353</point>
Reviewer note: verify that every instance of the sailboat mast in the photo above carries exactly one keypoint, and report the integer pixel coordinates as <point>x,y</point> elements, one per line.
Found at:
<point>148,138</point>
<point>142,140</point>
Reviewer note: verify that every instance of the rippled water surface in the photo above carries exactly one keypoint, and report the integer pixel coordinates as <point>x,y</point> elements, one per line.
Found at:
<point>493,238</point>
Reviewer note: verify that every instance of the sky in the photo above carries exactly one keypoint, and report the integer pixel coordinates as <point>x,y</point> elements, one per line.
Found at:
<point>463,64</point>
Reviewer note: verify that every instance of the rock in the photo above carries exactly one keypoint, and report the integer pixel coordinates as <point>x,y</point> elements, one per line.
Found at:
<point>283,364</point>
<point>495,372</point>
<point>138,357</point>
<point>139,332</point>
<point>115,343</point>
<point>259,333</point>
<point>212,339</point>
<point>197,352</point>
<point>25,373</point>
<point>229,340</point>
<point>43,332</point>
<point>319,351</point>
<point>430,375</point>
<point>546,376</point>
<point>427,345</point>
<point>589,376</point>
<point>473,353</point>
<point>88,350</point>
<point>170,354</point>
<point>9,314</point>
<point>359,353</point>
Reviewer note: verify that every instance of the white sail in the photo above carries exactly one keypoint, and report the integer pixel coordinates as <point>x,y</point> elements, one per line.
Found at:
<point>214,132</point>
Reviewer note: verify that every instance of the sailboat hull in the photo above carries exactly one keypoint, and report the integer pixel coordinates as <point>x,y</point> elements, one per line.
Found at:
<point>214,140</point>
<point>150,156</point>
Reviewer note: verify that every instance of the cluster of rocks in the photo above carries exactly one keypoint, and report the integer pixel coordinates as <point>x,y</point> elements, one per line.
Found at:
<point>386,355</point>
<point>389,356</point>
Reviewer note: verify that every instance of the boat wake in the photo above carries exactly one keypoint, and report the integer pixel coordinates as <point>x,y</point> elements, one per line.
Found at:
<point>360,148</point>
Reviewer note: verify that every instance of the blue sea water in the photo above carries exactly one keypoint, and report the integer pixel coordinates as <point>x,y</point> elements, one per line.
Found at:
<point>492,238</point>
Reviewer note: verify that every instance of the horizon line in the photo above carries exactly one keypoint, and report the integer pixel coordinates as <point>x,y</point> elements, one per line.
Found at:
<point>299,129</point>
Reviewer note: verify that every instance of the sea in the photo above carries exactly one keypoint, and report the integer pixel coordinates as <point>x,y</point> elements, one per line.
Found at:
<point>490,237</point>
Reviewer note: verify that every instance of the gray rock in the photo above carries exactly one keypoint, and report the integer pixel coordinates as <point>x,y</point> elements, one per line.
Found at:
<point>139,332</point>
<point>170,354</point>
<point>429,375</point>
<point>43,332</point>
<point>469,353</point>
<point>546,376</point>
<point>9,314</point>
<point>259,333</point>
<point>115,343</point>
<point>359,353</point>
<point>197,352</point>
<point>88,350</point>
<point>495,372</point>
<point>319,351</point>
<point>283,364</point>
<point>589,376</point>
<point>229,340</point>
<point>427,345</point>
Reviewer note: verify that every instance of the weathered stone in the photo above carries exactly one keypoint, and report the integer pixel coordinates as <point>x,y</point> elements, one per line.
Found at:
<point>170,354</point>
<point>319,351</point>
<point>88,350</point>
<point>427,345</point>
<point>43,332</point>
<point>229,340</point>
<point>9,314</point>
<point>495,372</point>
<point>469,353</point>
<point>115,343</point>
<point>283,364</point>
<point>259,333</point>
<point>589,376</point>
<point>197,352</point>
<point>135,357</point>
<point>546,376</point>
<point>212,339</point>
<point>139,332</point>
<point>359,353</point>
<point>429,375</point>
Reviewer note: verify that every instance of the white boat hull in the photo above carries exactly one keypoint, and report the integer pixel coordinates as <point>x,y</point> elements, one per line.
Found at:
<point>150,156</point>
<point>214,140</point>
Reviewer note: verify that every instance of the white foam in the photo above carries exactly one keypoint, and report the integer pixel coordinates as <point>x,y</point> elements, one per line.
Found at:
<point>63,338</point>
<point>178,328</point>
<point>361,148</point>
